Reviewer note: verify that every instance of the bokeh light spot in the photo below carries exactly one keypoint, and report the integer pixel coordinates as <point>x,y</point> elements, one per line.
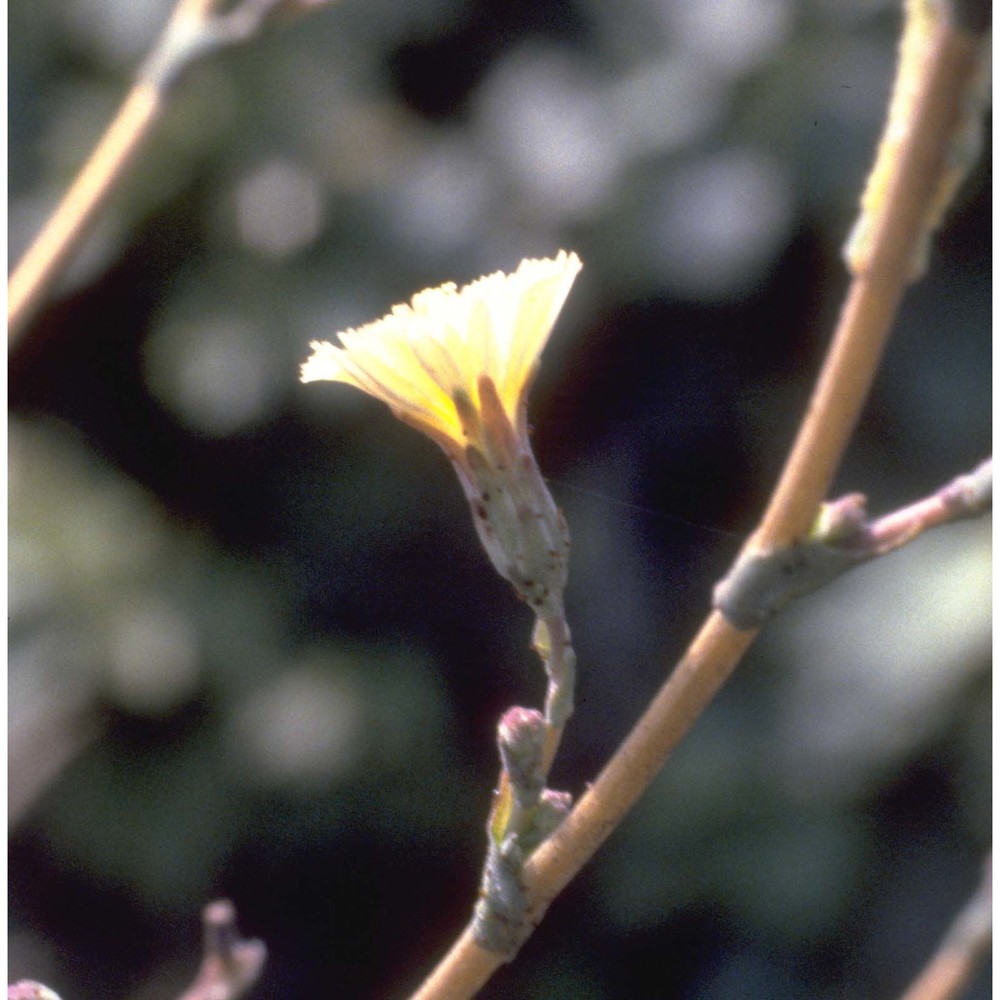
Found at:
<point>279,209</point>
<point>216,375</point>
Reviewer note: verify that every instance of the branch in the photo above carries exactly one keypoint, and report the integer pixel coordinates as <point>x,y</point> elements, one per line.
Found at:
<point>230,965</point>
<point>760,584</point>
<point>193,31</point>
<point>952,59</point>
<point>965,945</point>
<point>949,63</point>
<point>965,496</point>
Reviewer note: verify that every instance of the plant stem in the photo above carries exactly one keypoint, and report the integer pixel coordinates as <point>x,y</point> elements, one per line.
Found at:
<point>73,218</point>
<point>560,666</point>
<point>833,411</point>
<point>874,295</point>
<point>230,965</point>
<point>964,496</point>
<point>961,952</point>
<point>691,686</point>
<point>118,148</point>
<point>194,29</point>
<point>708,662</point>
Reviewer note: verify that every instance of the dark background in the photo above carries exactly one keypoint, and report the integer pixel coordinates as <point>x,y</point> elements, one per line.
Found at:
<point>255,650</point>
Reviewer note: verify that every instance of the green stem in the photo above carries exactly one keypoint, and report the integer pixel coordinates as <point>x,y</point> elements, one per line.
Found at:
<point>553,644</point>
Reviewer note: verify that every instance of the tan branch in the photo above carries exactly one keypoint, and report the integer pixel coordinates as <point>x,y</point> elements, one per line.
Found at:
<point>963,949</point>
<point>194,29</point>
<point>951,60</point>
<point>75,214</point>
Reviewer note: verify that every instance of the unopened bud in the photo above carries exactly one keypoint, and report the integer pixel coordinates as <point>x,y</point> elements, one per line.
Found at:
<point>521,739</point>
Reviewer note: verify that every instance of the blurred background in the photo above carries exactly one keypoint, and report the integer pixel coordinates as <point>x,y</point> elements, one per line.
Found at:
<point>255,650</point>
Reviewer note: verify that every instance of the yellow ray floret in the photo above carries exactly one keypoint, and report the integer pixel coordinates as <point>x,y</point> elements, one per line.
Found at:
<point>423,356</point>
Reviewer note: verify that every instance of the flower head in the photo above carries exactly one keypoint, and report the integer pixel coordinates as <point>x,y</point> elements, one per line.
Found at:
<point>457,363</point>
<point>454,356</point>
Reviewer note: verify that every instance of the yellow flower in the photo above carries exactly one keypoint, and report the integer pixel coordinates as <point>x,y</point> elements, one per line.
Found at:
<point>457,363</point>
<point>453,355</point>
